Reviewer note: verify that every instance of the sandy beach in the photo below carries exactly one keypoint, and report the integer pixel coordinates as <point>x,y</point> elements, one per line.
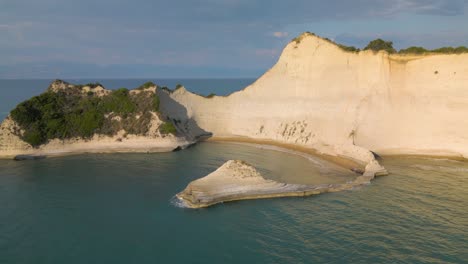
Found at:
<point>101,144</point>
<point>294,149</point>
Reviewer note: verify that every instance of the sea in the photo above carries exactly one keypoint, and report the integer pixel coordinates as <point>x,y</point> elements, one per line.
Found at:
<point>120,208</point>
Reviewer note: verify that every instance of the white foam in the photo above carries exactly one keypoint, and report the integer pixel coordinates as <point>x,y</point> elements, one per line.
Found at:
<point>178,202</point>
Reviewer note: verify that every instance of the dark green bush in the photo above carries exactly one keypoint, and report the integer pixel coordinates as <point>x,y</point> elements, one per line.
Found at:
<point>118,102</point>
<point>165,88</point>
<point>413,50</point>
<point>380,44</point>
<point>93,85</point>
<point>156,103</point>
<point>443,50</point>
<point>461,49</point>
<point>451,50</point>
<point>68,114</point>
<point>146,85</point>
<point>349,48</point>
<point>34,135</point>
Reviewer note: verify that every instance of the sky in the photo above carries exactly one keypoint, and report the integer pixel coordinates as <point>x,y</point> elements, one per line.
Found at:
<point>203,38</point>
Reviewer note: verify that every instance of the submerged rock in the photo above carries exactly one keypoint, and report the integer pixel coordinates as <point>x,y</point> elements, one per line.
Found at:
<point>29,157</point>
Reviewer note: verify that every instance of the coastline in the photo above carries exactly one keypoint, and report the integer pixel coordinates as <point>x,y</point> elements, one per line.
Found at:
<point>436,154</point>
<point>136,144</point>
<point>341,161</point>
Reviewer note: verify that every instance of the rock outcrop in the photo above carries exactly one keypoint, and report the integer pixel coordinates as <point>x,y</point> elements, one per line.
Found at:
<point>237,180</point>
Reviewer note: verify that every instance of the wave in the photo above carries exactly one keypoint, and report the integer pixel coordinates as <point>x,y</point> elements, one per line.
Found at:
<point>178,202</point>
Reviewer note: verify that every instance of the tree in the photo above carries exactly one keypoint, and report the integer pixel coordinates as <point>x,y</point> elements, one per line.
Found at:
<point>380,44</point>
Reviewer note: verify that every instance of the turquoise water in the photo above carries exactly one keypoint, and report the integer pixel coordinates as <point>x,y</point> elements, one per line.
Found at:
<point>118,208</point>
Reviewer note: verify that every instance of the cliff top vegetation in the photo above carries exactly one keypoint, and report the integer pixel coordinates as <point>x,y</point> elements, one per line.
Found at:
<point>380,44</point>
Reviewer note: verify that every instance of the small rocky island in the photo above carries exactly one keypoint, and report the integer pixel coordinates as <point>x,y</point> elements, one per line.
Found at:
<point>70,118</point>
<point>236,180</point>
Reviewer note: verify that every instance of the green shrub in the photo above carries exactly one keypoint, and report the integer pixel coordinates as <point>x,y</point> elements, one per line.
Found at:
<point>68,114</point>
<point>165,88</point>
<point>461,49</point>
<point>118,102</point>
<point>156,103</point>
<point>93,85</point>
<point>348,48</point>
<point>34,136</point>
<point>447,50</point>
<point>451,50</point>
<point>167,128</point>
<point>211,95</point>
<point>146,85</point>
<point>380,44</point>
<point>413,50</point>
<point>299,38</point>
<point>443,50</point>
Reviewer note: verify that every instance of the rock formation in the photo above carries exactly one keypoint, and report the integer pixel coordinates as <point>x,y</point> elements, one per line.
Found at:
<point>237,180</point>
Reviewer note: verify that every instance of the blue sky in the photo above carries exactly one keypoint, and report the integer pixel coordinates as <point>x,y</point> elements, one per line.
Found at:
<point>202,38</point>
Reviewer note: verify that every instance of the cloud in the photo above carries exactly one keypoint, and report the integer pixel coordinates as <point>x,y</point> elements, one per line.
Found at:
<point>431,7</point>
<point>204,33</point>
<point>279,34</point>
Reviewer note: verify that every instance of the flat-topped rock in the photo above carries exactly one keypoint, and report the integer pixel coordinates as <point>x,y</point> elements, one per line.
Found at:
<point>237,180</point>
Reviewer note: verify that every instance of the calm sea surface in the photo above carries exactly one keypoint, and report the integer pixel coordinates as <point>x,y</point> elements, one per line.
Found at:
<point>119,208</point>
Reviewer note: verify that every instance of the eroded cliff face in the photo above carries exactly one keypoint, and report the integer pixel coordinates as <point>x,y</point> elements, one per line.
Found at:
<point>344,103</point>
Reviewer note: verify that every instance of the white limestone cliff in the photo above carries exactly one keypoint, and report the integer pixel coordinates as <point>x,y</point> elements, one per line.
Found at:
<point>342,103</point>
